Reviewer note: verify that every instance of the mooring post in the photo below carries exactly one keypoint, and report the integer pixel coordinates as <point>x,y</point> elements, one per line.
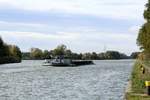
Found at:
<point>147,84</point>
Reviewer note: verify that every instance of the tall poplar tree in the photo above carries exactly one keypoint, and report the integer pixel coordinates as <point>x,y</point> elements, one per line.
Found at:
<point>143,39</point>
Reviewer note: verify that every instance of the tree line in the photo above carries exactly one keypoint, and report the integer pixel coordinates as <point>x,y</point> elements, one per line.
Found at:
<point>12,54</point>
<point>38,54</point>
<point>9,53</point>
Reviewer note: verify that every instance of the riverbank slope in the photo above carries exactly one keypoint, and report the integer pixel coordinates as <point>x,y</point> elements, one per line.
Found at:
<point>138,78</point>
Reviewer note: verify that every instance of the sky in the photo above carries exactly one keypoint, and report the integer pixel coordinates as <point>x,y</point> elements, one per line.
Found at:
<point>82,25</point>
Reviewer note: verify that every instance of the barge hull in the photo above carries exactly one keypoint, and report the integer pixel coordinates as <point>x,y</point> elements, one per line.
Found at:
<point>81,62</point>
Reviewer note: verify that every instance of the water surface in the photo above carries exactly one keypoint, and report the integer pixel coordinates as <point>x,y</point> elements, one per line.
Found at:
<point>29,80</point>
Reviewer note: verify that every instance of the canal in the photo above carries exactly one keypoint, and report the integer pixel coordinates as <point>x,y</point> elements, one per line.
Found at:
<point>29,80</point>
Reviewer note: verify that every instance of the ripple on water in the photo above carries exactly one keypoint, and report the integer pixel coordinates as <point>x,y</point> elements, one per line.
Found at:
<point>29,80</point>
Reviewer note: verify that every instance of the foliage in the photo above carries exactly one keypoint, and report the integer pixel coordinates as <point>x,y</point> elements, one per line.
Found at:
<point>26,56</point>
<point>60,50</point>
<point>36,53</point>
<point>9,53</point>
<point>138,79</point>
<point>143,39</point>
<point>15,51</point>
<point>1,42</point>
<point>46,54</point>
<point>135,55</point>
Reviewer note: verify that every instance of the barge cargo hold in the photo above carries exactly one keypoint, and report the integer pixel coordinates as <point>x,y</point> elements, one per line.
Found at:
<point>67,62</point>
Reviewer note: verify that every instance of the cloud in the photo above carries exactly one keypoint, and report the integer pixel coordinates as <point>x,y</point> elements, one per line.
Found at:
<point>134,29</point>
<point>107,8</point>
<point>92,36</point>
<point>83,25</point>
<point>41,36</point>
<point>79,42</point>
<point>4,23</point>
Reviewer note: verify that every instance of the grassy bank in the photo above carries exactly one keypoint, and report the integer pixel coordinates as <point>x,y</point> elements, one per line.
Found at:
<point>138,89</point>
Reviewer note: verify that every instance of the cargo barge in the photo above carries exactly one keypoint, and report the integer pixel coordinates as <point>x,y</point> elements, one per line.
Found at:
<point>62,62</point>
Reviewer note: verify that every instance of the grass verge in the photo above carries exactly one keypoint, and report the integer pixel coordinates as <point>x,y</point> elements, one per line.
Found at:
<point>138,89</point>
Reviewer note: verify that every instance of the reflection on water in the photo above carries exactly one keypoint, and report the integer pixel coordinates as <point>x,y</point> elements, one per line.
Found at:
<point>106,80</point>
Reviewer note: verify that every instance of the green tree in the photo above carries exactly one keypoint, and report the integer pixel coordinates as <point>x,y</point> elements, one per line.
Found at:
<point>46,54</point>
<point>113,55</point>
<point>86,56</point>
<point>60,50</point>
<point>4,49</point>
<point>134,55</point>
<point>36,53</point>
<point>143,39</point>
<point>101,56</point>
<point>26,56</point>
<point>1,47</point>
<point>94,56</point>
<point>9,53</point>
<point>68,53</point>
<point>1,42</point>
<point>13,52</point>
